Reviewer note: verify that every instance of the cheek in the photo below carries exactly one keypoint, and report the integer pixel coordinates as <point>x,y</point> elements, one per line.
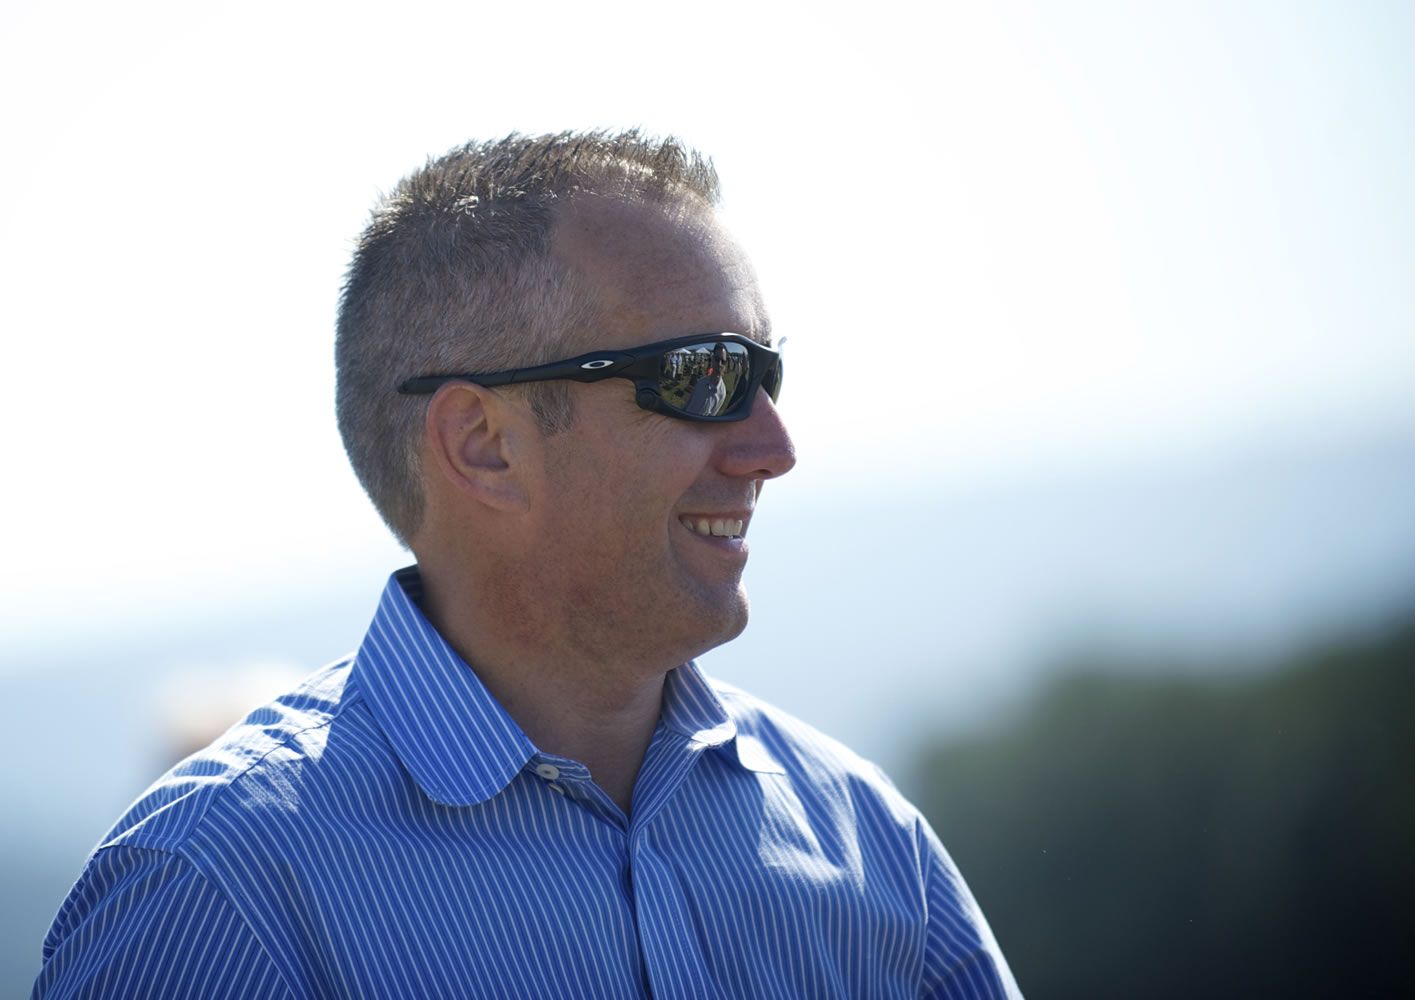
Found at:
<point>621,490</point>
<point>608,510</point>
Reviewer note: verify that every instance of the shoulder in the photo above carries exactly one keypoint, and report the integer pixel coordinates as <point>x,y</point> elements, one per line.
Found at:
<point>252,767</point>
<point>812,759</point>
<point>144,923</point>
<point>193,859</point>
<point>892,838</point>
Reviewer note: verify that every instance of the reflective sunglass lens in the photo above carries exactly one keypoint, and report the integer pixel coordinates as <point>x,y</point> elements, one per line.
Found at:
<point>708,379</point>
<point>772,382</point>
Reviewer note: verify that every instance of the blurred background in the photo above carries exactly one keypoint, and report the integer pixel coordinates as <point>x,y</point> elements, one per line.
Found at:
<point>1102,375</point>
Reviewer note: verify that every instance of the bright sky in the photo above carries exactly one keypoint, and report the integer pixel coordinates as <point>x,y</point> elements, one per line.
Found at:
<point>1001,237</point>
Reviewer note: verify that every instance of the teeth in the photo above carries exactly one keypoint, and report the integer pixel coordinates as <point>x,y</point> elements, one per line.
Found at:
<point>722,527</point>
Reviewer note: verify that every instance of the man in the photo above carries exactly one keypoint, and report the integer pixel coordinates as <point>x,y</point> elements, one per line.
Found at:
<point>710,389</point>
<point>520,785</point>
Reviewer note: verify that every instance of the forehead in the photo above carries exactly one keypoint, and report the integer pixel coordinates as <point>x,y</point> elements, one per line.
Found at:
<point>656,272</point>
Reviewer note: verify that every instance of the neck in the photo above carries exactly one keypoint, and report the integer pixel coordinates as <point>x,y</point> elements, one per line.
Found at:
<point>609,734</point>
<point>567,701</point>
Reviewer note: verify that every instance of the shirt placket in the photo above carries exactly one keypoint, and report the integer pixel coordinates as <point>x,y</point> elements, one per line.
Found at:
<point>668,940</point>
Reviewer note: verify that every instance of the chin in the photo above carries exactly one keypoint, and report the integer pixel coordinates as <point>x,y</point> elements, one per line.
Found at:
<point>726,622</point>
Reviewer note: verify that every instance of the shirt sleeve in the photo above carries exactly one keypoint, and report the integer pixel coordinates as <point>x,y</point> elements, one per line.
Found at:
<point>963,960</point>
<point>146,924</point>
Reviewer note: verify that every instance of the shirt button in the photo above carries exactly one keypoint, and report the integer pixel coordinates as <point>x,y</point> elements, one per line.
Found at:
<point>548,771</point>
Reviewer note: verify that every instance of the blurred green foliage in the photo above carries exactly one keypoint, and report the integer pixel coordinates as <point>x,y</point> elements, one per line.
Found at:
<point>1152,835</point>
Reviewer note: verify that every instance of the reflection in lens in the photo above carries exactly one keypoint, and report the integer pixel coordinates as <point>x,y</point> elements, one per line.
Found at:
<point>705,379</point>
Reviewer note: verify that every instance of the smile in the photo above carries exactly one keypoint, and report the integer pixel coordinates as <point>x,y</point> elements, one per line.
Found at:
<point>722,527</point>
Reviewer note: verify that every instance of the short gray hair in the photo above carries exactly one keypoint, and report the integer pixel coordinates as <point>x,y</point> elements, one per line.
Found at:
<point>453,273</point>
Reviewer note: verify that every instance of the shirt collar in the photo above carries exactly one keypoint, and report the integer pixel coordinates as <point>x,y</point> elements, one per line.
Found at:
<point>454,737</point>
<point>692,709</point>
<point>450,733</point>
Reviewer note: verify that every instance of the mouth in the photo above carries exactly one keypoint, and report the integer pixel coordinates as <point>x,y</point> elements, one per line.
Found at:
<point>721,527</point>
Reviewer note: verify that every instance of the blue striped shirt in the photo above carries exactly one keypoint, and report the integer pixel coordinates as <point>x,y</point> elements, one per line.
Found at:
<point>387,830</point>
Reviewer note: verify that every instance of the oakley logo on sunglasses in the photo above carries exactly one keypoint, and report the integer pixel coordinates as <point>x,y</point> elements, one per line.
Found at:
<point>710,377</point>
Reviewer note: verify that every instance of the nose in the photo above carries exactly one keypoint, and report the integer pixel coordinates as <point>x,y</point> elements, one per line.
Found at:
<point>758,447</point>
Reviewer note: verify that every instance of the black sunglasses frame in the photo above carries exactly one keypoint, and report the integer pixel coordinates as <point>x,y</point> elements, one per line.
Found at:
<point>642,365</point>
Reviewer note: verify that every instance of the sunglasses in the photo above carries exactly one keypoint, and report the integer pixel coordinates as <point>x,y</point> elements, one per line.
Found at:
<point>709,377</point>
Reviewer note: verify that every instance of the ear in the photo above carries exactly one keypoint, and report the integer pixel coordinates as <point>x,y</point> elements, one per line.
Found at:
<point>479,444</point>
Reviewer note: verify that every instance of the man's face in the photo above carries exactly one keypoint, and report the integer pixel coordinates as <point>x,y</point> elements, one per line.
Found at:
<point>642,515</point>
